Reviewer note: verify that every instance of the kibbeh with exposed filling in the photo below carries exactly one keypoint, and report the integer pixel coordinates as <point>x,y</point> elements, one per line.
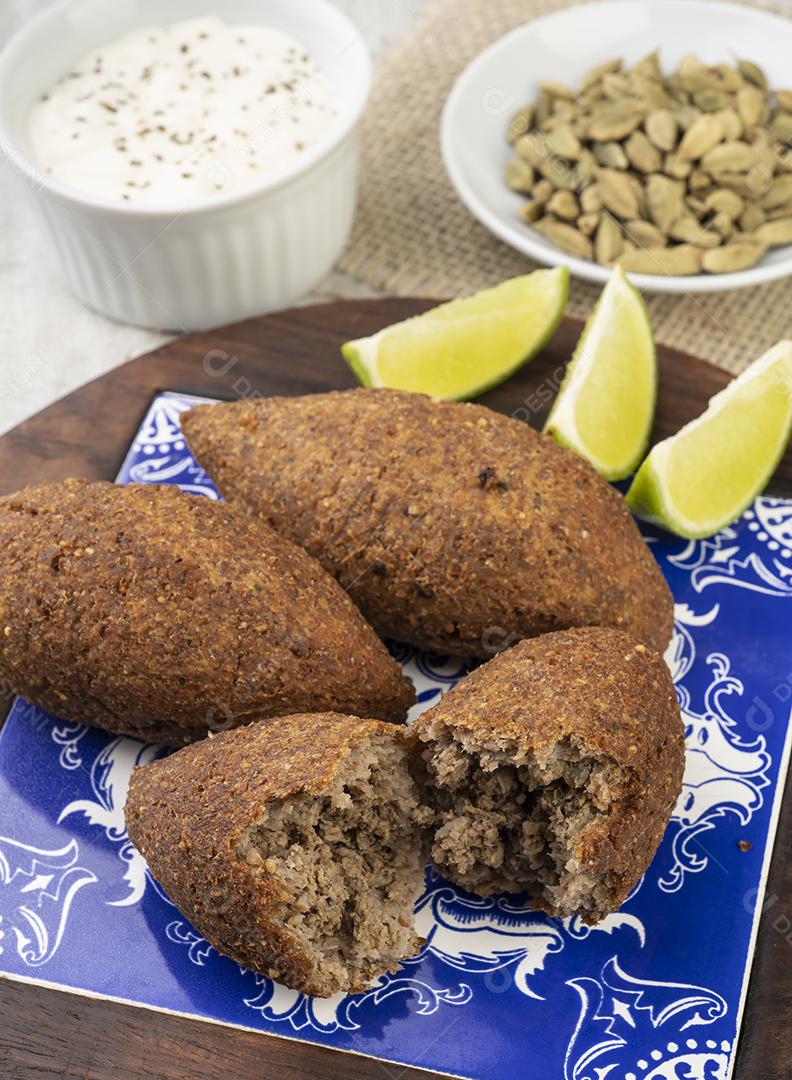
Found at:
<point>553,770</point>
<point>294,848</point>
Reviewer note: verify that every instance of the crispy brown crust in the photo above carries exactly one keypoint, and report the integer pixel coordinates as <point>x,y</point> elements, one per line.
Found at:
<point>613,699</point>
<point>452,527</point>
<point>186,814</point>
<point>153,613</point>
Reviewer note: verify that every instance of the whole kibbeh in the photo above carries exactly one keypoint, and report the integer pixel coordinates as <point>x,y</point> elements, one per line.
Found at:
<point>554,769</point>
<point>153,613</point>
<point>294,848</point>
<point>452,527</point>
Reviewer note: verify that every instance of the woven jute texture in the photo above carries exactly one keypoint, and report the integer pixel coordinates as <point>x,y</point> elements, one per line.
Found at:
<point>412,236</point>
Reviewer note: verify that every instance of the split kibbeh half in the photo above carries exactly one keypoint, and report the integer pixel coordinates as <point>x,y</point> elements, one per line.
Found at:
<point>452,527</point>
<point>296,848</point>
<point>554,769</point>
<point>149,612</point>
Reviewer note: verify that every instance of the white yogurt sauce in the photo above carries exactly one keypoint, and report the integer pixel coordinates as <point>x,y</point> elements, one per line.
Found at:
<point>172,115</point>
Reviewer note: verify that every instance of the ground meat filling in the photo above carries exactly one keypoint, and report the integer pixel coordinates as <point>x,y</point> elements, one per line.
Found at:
<point>504,823</point>
<point>350,863</point>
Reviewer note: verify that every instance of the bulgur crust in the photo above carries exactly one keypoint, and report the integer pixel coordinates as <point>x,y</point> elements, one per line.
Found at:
<point>452,527</point>
<point>153,613</point>
<point>590,711</point>
<point>190,814</point>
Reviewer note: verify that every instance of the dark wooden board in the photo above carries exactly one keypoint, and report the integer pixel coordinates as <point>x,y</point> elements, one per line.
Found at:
<point>46,1033</point>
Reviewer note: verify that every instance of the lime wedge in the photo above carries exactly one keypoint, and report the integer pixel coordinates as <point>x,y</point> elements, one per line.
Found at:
<point>702,478</point>
<point>462,348</point>
<point>605,406</point>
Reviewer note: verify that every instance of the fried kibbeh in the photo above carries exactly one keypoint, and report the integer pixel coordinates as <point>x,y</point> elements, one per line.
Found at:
<point>554,769</point>
<point>153,613</point>
<point>452,527</point>
<point>294,848</point>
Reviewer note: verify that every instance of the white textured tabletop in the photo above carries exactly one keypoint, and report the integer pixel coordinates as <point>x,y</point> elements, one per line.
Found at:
<point>49,343</point>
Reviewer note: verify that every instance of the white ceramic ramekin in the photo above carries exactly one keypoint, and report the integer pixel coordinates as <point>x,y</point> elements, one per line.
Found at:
<point>231,256</point>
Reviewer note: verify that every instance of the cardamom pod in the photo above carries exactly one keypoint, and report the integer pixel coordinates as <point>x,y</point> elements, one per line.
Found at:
<point>701,137</point>
<point>559,118</point>
<point>531,148</point>
<point>564,142</point>
<point>596,73</point>
<point>641,154</point>
<point>731,123</point>
<point>752,73</point>
<point>739,255</point>
<point>689,230</point>
<point>519,175</point>
<point>661,127</point>
<point>681,260</point>
<point>723,225</point>
<point>738,182</point>
<point>729,157</point>
<point>585,168</point>
<point>543,190</point>
<point>610,155</point>
<point>677,167</point>
<point>567,237</point>
<point>775,233</point>
<point>751,105</point>
<point>778,194</point>
<point>699,181</point>
<point>692,75</point>
<point>543,107</point>
<point>644,234</point>
<point>520,123</point>
<point>687,115</point>
<point>564,205</point>
<point>532,210</point>
<point>590,199</point>
<point>710,101</point>
<point>618,194</point>
<point>781,127</point>
<point>696,206</point>
<point>608,243</point>
<point>752,217</point>
<point>729,78</point>
<point>587,223</point>
<point>665,200</point>
<point>564,108</point>
<point>649,66</point>
<point>616,86</point>
<point>556,89</point>
<point>650,92</point>
<point>614,121</point>
<point>725,202</point>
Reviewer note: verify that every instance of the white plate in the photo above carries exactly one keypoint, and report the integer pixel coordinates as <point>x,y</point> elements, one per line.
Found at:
<point>563,46</point>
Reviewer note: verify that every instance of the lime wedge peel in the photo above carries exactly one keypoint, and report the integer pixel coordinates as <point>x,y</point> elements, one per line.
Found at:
<point>463,348</point>
<point>605,406</point>
<point>701,479</point>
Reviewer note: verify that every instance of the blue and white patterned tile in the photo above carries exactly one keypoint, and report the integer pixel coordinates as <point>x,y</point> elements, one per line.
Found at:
<point>654,992</point>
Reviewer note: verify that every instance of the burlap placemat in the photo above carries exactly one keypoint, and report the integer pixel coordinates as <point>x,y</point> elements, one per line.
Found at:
<point>412,236</point>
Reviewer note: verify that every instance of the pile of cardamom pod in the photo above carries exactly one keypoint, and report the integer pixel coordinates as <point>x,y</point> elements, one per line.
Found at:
<point>660,175</point>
